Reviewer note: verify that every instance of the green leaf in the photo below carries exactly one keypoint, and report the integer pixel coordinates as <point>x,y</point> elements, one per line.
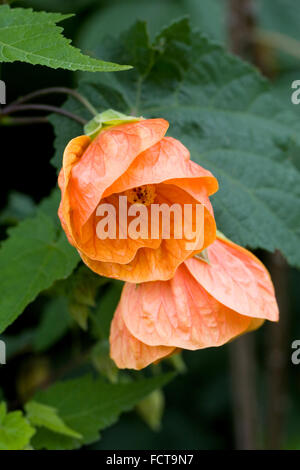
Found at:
<point>224,111</point>
<point>33,37</point>
<point>83,285</point>
<point>54,324</point>
<point>117,16</point>
<point>15,431</point>
<point>273,17</point>
<point>105,309</point>
<point>81,290</point>
<point>35,255</point>
<point>89,406</point>
<point>46,416</point>
<point>102,361</point>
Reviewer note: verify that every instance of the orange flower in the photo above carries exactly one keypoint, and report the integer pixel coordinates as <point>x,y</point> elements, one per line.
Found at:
<point>136,160</point>
<point>204,305</point>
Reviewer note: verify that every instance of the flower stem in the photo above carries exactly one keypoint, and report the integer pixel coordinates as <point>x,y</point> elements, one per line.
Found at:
<point>49,91</point>
<point>42,107</point>
<point>242,350</point>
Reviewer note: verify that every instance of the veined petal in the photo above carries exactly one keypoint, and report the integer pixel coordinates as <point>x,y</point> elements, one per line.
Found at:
<point>148,260</point>
<point>147,265</point>
<point>105,160</point>
<point>167,161</point>
<point>206,231</point>
<point>127,351</point>
<point>237,279</point>
<point>72,154</point>
<point>114,250</point>
<point>179,313</point>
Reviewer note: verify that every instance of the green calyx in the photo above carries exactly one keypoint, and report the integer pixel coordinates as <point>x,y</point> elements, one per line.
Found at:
<point>107,119</point>
<point>203,256</point>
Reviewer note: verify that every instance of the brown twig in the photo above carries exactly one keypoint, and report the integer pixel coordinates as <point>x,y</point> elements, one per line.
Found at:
<point>243,35</point>
<point>242,351</point>
<point>241,27</point>
<point>243,375</point>
<point>42,107</point>
<point>53,90</point>
<point>277,355</point>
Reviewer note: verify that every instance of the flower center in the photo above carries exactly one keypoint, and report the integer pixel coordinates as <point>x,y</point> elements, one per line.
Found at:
<point>141,195</point>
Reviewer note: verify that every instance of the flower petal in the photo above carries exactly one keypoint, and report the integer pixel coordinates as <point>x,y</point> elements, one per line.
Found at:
<point>127,351</point>
<point>113,250</point>
<point>167,161</point>
<point>178,313</point>
<point>147,265</point>
<point>105,160</point>
<point>237,279</point>
<point>147,260</point>
<point>72,154</point>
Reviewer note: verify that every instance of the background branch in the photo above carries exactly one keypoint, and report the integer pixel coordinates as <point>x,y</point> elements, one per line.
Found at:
<point>16,108</point>
<point>242,351</point>
<point>245,41</point>
<point>277,355</point>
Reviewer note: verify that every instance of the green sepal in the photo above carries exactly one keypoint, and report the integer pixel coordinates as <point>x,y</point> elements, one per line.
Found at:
<point>203,256</point>
<point>108,118</point>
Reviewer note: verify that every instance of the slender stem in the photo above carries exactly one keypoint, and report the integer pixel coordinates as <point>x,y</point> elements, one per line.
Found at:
<point>242,27</point>
<point>48,91</point>
<point>242,350</point>
<point>10,121</point>
<point>279,41</point>
<point>277,335</point>
<point>244,393</point>
<point>277,356</point>
<point>44,107</point>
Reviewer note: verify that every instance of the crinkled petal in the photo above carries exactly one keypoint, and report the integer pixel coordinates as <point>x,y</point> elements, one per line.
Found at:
<point>179,313</point>
<point>147,265</point>
<point>148,260</point>
<point>72,154</point>
<point>105,160</point>
<point>127,351</point>
<point>237,279</point>
<point>113,250</point>
<point>206,231</point>
<point>167,161</point>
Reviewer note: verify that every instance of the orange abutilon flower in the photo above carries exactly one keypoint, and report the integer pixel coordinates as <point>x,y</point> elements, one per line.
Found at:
<point>137,160</point>
<point>206,304</point>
